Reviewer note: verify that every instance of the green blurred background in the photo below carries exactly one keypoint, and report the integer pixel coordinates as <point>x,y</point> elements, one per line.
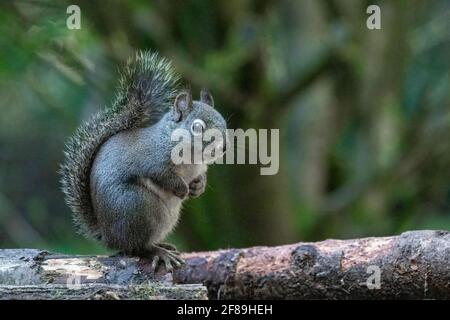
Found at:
<point>364,115</point>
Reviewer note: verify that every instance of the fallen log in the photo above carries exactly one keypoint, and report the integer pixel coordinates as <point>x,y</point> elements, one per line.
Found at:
<point>414,265</point>
<point>38,274</point>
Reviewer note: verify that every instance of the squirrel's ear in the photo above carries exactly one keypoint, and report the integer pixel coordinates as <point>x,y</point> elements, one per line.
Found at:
<point>206,97</point>
<point>182,105</point>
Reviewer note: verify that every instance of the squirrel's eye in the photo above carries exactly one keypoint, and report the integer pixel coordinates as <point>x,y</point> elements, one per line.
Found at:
<point>198,127</point>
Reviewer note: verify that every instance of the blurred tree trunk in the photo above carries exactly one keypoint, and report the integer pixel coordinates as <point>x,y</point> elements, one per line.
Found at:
<point>385,55</point>
<point>371,98</point>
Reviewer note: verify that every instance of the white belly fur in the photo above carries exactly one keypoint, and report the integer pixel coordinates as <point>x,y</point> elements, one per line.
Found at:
<point>172,203</point>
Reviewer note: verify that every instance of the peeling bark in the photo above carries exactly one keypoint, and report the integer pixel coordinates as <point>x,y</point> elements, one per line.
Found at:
<point>38,274</point>
<point>414,265</point>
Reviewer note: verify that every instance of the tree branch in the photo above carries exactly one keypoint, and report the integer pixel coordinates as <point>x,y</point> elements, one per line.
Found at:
<point>414,265</point>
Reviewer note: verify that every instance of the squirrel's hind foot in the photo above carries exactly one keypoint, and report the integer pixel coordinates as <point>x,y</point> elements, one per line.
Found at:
<point>167,254</point>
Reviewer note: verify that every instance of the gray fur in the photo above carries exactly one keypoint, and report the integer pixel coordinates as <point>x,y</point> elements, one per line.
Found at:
<point>118,177</point>
<point>146,89</point>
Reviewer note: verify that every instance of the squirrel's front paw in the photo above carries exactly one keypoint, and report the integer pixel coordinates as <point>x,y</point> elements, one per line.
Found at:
<point>197,187</point>
<point>181,192</point>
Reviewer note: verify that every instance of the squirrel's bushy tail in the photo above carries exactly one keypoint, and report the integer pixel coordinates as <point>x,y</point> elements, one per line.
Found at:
<point>146,90</point>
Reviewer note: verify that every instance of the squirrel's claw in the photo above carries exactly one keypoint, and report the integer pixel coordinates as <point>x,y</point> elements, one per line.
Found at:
<point>164,253</point>
<point>168,246</point>
<point>155,262</point>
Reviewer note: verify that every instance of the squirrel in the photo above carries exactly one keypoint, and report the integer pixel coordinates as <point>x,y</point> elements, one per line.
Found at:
<point>117,175</point>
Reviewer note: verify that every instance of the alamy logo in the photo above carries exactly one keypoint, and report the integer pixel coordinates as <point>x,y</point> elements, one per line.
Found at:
<point>242,147</point>
<point>374,20</point>
<point>73,21</point>
<point>374,280</point>
<point>74,281</point>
